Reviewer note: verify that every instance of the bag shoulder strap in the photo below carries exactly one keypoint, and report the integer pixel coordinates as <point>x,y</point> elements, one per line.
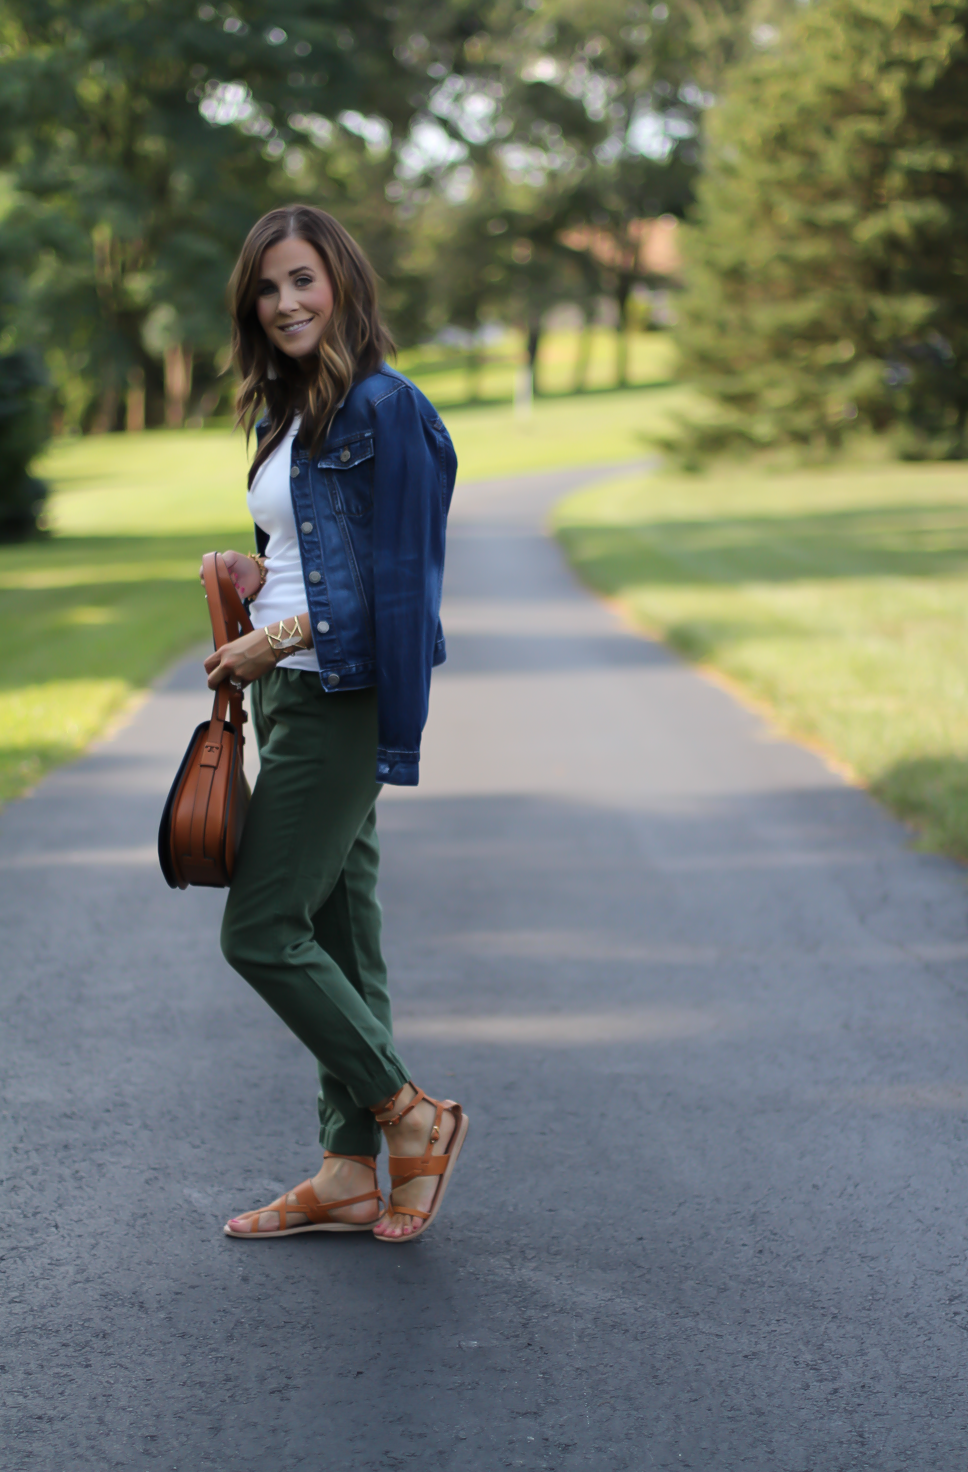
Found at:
<point>229,621</point>
<point>225,607</point>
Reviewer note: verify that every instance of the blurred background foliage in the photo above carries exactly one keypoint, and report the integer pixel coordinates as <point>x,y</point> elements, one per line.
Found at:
<point>499,161</point>
<point>496,160</point>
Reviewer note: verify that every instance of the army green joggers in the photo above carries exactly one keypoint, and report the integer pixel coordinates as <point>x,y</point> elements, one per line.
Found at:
<point>302,923</point>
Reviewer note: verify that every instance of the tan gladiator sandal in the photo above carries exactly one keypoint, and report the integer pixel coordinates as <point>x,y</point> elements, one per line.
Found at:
<point>404,1168</point>
<point>318,1211</point>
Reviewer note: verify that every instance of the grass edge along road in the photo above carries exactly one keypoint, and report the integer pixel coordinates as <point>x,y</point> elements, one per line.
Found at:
<point>94,614</point>
<point>837,598</point>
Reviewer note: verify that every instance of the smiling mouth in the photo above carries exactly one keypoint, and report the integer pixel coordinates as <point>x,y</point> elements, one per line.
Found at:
<point>296,326</point>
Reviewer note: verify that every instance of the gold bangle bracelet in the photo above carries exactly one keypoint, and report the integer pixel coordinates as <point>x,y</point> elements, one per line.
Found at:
<point>287,641</point>
<point>260,563</point>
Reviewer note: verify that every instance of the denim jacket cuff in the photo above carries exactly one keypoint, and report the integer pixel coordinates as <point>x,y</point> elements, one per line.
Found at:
<point>399,768</point>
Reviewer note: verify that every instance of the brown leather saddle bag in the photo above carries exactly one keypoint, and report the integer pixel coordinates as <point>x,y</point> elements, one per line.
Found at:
<point>201,825</point>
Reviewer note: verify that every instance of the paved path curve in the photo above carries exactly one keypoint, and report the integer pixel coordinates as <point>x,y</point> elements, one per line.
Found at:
<point>706,1008</point>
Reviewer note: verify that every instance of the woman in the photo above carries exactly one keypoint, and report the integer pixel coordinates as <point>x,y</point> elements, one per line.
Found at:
<point>349,492</point>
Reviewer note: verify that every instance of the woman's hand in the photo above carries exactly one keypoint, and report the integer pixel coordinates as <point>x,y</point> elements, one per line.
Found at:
<point>250,657</point>
<point>244,572</point>
<point>242,661</point>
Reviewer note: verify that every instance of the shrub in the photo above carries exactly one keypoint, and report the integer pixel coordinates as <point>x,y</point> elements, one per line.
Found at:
<point>24,428</point>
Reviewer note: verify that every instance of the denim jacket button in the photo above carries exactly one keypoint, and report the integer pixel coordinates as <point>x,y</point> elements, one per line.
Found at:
<point>294,471</point>
<point>306,528</point>
<point>332,681</point>
<point>315,576</point>
<point>344,455</point>
<point>322,627</point>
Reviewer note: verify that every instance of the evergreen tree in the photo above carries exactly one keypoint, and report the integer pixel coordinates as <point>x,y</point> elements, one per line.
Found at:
<point>828,266</point>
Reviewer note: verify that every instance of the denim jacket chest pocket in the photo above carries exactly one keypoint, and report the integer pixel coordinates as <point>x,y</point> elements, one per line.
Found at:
<point>348,468</point>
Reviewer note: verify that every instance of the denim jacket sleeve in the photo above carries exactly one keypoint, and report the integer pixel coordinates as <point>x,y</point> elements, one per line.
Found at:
<point>413,478</point>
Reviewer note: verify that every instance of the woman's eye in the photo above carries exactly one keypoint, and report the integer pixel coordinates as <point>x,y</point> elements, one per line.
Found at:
<point>267,289</point>
<point>303,281</point>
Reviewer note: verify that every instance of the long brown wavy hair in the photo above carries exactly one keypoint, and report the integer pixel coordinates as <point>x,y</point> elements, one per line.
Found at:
<point>355,341</point>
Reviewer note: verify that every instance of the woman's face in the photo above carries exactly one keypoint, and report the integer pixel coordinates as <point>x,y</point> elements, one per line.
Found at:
<point>295,297</point>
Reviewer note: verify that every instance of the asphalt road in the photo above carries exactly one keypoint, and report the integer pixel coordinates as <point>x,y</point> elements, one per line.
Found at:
<point>707,1010</point>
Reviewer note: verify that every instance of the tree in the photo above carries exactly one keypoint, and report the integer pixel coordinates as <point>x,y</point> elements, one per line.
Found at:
<point>23,407</point>
<point>140,138</point>
<point>828,266</point>
<point>590,112</point>
<point>23,430</point>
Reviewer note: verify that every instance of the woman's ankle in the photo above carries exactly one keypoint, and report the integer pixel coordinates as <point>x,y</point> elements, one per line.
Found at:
<point>367,1155</point>
<point>390,1106</point>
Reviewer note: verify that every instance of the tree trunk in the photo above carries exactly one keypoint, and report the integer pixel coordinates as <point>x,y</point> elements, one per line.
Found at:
<point>106,414</point>
<point>622,340</point>
<point>584,356</point>
<point>534,342</point>
<point>134,421</point>
<point>178,383</point>
<point>475,366</point>
<point>961,425</point>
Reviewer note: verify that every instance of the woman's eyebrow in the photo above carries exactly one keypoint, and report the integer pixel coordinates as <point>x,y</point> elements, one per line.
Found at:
<point>297,271</point>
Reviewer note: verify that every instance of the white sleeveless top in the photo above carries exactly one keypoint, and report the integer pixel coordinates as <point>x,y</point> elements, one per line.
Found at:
<point>270,506</point>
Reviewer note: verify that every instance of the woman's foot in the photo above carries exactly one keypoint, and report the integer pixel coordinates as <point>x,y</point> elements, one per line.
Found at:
<point>339,1177</point>
<point>410,1136</point>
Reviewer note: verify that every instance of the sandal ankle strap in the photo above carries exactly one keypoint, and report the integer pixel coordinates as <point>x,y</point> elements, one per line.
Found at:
<point>367,1160</point>
<point>390,1103</point>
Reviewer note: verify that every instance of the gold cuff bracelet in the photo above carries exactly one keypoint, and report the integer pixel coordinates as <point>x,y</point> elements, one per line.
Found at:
<point>287,641</point>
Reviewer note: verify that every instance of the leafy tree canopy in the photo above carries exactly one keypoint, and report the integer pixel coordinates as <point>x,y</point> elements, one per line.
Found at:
<point>139,141</point>
<point>459,141</point>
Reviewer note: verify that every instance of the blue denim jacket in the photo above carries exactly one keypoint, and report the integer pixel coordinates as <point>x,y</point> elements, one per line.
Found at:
<point>371,517</point>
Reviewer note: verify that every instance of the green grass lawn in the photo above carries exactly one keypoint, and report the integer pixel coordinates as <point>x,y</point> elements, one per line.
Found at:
<point>193,480</point>
<point>87,622</point>
<point>839,598</point>
<point>448,378</point>
<point>95,613</point>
